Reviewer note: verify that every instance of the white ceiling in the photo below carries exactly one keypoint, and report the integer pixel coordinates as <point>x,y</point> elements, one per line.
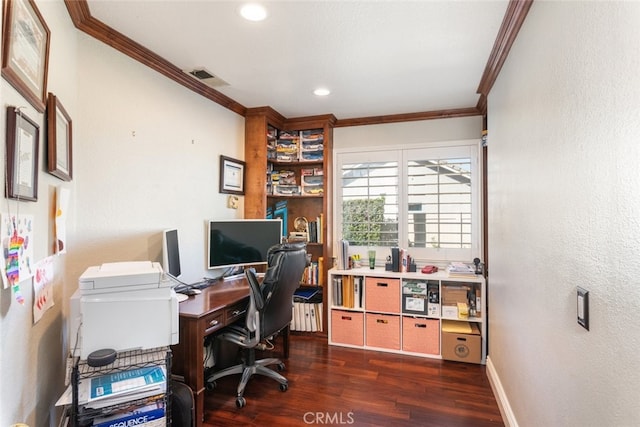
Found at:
<point>376,57</point>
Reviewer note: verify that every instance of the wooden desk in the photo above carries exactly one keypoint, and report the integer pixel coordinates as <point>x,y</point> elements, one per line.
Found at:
<point>217,306</point>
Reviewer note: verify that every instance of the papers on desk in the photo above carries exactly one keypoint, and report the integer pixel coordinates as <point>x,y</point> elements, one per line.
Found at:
<point>460,269</point>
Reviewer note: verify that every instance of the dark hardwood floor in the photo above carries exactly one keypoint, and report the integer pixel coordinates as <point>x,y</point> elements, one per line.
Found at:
<point>331,385</point>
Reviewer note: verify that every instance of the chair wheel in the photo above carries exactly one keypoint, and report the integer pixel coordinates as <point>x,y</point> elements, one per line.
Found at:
<point>280,366</point>
<point>240,402</point>
<point>211,385</point>
<point>284,387</point>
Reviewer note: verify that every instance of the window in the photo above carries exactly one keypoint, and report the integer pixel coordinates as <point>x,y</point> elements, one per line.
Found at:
<point>422,199</point>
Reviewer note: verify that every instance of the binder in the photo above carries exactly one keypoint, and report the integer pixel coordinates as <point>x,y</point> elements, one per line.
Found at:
<point>319,316</point>
<point>293,325</point>
<point>307,317</point>
<point>299,316</point>
<point>313,319</point>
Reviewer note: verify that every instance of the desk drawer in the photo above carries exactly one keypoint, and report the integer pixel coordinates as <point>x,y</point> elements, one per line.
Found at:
<point>235,312</point>
<point>213,322</point>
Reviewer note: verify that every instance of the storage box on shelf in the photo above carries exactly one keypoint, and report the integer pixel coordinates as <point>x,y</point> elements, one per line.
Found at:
<point>428,315</point>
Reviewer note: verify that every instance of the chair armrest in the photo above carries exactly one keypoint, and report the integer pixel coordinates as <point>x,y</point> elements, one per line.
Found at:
<point>254,284</point>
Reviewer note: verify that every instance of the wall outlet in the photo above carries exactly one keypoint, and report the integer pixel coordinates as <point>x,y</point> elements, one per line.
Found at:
<point>232,202</point>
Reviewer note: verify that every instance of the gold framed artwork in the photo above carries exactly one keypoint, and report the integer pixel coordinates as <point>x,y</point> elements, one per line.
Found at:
<point>59,140</point>
<point>25,55</point>
<point>23,136</point>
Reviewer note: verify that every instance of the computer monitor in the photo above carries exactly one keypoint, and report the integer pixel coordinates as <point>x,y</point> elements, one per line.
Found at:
<point>171,253</point>
<point>242,242</point>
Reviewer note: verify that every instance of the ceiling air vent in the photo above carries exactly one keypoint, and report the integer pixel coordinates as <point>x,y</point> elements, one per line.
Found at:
<point>207,77</point>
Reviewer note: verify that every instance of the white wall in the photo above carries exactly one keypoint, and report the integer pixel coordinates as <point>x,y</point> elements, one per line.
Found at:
<point>407,133</point>
<point>31,355</point>
<point>564,211</point>
<point>126,188</point>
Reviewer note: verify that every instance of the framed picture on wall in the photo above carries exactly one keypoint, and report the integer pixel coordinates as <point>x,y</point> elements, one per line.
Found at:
<point>59,140</point>
<point>232,174</point>
<point>25,56</point>
<point>23,136</point>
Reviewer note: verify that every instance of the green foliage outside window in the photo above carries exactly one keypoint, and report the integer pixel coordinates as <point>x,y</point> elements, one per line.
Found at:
<point>363,221</point>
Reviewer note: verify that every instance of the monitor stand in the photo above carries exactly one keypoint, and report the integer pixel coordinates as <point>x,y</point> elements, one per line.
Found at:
<point>234,274</point>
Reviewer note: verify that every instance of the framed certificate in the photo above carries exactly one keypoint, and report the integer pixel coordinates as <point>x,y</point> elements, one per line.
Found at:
<point>23,136</point>
<point>25,57</point>
<point>232,174</point>
<point>59,140</point>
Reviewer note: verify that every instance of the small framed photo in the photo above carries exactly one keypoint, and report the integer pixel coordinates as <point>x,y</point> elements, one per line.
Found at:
<point>232,173</point>
<point>59,140</point>
<point>25,57</point>
<point>23,136</point>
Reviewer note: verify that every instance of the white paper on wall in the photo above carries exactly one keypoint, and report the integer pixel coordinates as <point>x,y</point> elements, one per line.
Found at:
<point>62,202</point>
<point>42,288</point>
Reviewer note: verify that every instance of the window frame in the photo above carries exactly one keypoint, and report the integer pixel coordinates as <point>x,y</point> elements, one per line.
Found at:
<point>402,154</point>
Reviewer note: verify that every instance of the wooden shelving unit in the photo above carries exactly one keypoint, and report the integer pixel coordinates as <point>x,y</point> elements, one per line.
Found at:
<point>260,124</point>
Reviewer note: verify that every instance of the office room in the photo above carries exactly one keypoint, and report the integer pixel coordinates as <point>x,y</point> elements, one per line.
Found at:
<point>562,205</point>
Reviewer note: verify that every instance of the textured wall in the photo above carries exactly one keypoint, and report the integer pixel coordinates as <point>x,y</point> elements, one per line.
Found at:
<point>564,211</point>
<point>146,157</point>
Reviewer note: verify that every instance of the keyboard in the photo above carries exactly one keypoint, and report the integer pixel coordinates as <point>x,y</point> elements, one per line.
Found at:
<point>205,283</point>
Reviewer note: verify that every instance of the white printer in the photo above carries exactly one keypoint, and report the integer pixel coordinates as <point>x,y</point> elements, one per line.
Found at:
<point>123,306</point>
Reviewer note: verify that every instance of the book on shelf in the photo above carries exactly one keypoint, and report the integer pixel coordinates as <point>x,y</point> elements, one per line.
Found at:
<point>305,293</point>
<point>148,415</point>
<point>343,255</point>
<point>126,382</point>
<point>119,387</point>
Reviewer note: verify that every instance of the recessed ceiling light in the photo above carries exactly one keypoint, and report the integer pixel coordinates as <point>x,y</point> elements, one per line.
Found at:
<point>321,91</point>
<point>253,12</point>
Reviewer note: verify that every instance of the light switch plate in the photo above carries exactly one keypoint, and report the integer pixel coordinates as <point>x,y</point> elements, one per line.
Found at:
<point>583,307</point>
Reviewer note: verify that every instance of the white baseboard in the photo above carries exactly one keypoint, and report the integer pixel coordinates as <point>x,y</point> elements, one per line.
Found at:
<point>503,402</point>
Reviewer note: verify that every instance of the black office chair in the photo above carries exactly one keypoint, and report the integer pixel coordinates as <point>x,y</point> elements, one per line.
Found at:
<point>269,312</point>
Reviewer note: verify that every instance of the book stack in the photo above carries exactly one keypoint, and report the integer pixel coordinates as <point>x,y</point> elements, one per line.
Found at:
<point>307,310</point>
<point>460,269</point>
<point>149,415</point>
<point>310,274</point>
<point>120,387</point>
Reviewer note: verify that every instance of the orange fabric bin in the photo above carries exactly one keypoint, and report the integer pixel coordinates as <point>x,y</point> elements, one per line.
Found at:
<point>382,294</point>
<point>347,327</point>
<point>383,330</point>
<point>420,335</point>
